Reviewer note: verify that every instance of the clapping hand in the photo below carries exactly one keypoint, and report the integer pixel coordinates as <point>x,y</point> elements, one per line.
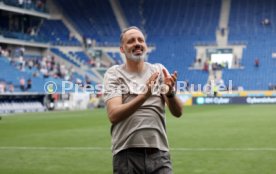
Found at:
<point>170,81</point>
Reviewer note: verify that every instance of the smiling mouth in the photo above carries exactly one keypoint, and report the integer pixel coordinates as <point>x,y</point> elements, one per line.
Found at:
<point>138,50</point>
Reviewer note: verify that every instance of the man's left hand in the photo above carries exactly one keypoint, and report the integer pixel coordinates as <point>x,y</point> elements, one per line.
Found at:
<point>169,80</point>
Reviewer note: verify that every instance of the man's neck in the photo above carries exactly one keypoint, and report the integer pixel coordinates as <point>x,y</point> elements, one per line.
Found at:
<point>133,66</point>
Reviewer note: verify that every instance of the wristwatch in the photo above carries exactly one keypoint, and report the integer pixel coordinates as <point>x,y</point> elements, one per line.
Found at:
<point>171,94</point>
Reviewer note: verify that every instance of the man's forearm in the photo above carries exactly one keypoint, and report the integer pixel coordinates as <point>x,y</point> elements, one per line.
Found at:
<point>122,111</point>
<point>175,106</point>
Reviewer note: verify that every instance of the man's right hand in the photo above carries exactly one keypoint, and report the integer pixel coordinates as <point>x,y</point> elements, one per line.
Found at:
<point>150,83</point>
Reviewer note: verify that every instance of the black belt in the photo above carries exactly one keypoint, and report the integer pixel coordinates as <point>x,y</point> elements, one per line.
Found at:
<point>148,151</point>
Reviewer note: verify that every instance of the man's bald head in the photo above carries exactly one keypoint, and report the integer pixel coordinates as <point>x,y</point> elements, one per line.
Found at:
<point>127,29</point>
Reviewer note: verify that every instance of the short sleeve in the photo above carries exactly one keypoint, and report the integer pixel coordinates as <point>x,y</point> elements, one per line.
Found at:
<point>111,84</point>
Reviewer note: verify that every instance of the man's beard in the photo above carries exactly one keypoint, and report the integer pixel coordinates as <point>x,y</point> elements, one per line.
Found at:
<point>136,58</point>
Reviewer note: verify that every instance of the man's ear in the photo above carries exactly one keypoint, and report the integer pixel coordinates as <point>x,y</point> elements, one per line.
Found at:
<point>121,49</point>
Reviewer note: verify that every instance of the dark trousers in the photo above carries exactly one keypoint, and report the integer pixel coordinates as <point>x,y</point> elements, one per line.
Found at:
<point>142,161</point>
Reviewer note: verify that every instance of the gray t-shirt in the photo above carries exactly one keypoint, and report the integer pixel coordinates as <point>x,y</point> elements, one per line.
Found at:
<point>146,127</point>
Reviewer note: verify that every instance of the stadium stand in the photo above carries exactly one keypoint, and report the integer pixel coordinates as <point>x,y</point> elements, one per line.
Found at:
<point>116,57</point>
<point>81,56</point>
<point>39,71</point>
<point>93,19</point>
<point>37,5</point>
<point>246,26</point>
<point>21,27</point>
<point>174,27</point>
<point>57,33</point>
<point>64,56</point>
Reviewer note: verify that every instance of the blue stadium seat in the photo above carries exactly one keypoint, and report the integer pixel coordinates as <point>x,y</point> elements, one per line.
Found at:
<point>57,33</point>
<point>245,25</point>
<point>93,19</point>
<point>174,27</point>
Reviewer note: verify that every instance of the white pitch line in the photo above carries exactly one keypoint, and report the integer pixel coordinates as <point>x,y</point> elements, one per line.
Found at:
<point>52,148</point>
<point>223,149</point>
<point>109,149</point>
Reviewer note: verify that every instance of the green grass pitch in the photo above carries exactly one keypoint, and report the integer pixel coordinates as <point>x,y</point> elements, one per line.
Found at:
<point>236,139</point>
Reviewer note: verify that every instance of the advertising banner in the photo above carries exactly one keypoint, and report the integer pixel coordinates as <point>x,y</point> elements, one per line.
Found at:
<point>233,100</point>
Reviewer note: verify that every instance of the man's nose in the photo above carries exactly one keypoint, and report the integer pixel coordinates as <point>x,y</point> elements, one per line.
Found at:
<point>136,42</point>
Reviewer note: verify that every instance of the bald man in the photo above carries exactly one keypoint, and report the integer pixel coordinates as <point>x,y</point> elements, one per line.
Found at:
<point>135,94</point>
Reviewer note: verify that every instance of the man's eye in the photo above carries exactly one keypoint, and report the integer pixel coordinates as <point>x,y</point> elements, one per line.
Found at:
<point>141,40</point>
<point>130,41</point>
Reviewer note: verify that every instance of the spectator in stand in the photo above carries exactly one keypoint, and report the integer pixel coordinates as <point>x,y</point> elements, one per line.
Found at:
<point>36,74</point>
<point>28,3</point>
<point>257,62</point>
<point>11,88</point>
<point>236,61</point>
<point>63,70</point>
<point>21,63</point>
<point>33,31</point>
<point>2,87</point>
<point>206,66</point>
<point>8,53</point>
<point>199,61</point>
<point>22,84</point>
<point>39,5</point>
<point>67,75</point>
<point>92,62</point>
<point>87,79</point>
<point>29,84</point>
<point>266,22</point>
<point>52,63</point>
<point>22,51</point>
<point>98,62</point>
<point>222,31</point>
<point>219,82</point>
<point>30,64</point>
<point>78,82</point>
<point>20,3</point>
<point>215,66</point>
<point>37,63</point>
<point>71,70</point>
<point>271,86</point>
<point>88,42</point>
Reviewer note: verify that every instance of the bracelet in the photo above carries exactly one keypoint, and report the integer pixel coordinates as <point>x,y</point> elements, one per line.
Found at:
<point>171,94</point>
